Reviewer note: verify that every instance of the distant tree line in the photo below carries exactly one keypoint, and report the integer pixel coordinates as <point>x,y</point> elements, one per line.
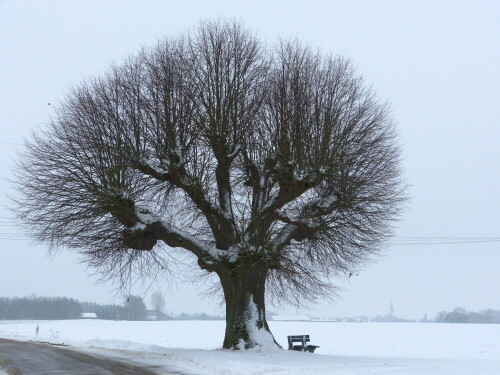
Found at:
<point>42,308</point>
<point>460,315</point>
<point>58,308</point>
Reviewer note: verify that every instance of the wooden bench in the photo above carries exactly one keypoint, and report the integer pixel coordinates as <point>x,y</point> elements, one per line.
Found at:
<point>302,341</point>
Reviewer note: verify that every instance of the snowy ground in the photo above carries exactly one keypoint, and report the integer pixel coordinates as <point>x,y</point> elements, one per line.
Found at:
<point>345,348</point>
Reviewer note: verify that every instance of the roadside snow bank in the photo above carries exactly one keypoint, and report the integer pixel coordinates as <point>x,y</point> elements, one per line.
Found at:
<point>221,362</point>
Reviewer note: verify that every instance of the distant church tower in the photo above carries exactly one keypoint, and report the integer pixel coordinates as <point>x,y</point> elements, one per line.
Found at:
<point>391,309</point>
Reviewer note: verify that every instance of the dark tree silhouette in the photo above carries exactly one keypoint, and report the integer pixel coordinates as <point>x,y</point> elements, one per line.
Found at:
<point>275,168</point>
<point>158,301</point>
<point>135,308</point>
<point>39,308</point>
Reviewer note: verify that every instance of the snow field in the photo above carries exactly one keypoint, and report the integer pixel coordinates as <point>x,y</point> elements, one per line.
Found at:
<point>345,348</point>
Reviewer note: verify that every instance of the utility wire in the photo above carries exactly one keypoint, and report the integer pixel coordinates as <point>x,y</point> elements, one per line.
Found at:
<point>449,238</point>
<point>428,243</point>
<point>436,240</point>
<point>397,241</point>
<point>453,188</point>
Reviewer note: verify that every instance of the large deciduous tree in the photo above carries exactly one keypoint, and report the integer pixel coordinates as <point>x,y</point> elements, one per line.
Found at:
<point>275,168</point>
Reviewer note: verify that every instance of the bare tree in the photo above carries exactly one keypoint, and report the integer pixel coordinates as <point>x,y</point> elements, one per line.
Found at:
<point>273,168</point>
<point>158,301</point>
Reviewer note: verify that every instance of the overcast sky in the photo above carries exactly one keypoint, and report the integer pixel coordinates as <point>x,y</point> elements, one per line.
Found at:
<point>437,62</point>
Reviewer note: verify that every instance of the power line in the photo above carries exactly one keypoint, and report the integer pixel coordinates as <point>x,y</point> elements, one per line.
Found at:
<point>435,240</point>
<point>441,243</point>
<point>446,237</point>
<point>453,188</point>
<point>397,241</point>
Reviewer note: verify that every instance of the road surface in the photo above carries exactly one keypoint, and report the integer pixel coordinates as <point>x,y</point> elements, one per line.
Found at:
<point>26,358</point>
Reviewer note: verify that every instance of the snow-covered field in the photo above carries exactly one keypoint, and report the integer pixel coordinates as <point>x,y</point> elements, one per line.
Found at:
<point>345,348</point>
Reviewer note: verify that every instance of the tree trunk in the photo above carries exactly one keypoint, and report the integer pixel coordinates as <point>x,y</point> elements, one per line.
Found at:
<point>246,325</point>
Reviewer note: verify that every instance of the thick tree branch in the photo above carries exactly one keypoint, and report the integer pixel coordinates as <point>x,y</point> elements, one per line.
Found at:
<point>291,186</point>
<point>143,230</point>
<point>225,156</point>
<point>172,170</point>
<point>307,222</point>
<point>176,174</point>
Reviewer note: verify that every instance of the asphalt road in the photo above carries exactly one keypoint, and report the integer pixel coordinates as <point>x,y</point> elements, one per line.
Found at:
<point>26,358</point>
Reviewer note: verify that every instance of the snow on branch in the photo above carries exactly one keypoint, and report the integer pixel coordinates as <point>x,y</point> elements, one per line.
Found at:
<point>155,169</point>
<point>283,237</point>
<point>301,226</point>
<point>231,255</point>
<point>149,229</point>
<point>178,176</point>
<point>235,149</point>
<point>326,203</point>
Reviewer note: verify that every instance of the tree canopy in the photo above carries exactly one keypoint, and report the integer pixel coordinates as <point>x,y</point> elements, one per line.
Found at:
<point>275,167</point>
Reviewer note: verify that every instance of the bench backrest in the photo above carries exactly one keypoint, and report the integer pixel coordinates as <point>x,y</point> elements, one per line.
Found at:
<point>302,339</point>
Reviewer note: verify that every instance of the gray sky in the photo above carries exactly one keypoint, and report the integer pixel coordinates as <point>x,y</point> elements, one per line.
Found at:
<point>436,61</point>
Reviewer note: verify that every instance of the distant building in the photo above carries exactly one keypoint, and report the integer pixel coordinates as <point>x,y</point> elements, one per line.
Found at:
<point>156,315</point>
<point>88,316</point>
